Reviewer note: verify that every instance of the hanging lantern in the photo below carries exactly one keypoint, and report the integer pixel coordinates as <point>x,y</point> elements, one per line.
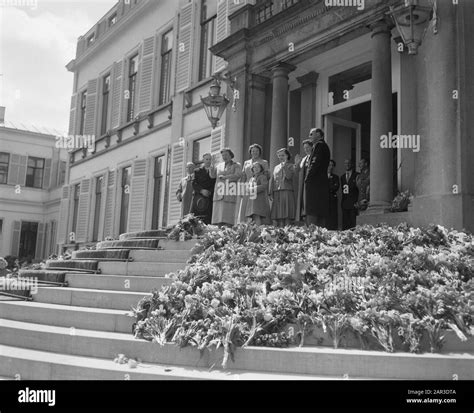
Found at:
<point>412,19</point>
<point>215,103</point>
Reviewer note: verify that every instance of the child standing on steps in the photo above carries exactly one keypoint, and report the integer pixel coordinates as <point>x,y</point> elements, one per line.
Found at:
<point>258,206</point>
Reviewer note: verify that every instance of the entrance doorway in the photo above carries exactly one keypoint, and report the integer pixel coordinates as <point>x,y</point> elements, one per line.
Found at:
<point>348,136</point>
<point>28,235</point>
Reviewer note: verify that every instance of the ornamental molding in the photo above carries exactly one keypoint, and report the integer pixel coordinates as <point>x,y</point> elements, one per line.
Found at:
<point>285,28</point>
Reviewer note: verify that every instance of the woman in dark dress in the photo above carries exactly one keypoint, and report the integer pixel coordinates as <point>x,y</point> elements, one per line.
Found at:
<point>203,186</point>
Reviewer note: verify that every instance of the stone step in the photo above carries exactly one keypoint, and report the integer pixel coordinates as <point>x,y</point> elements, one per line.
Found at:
<point>101,254</point>
<point>42,365</point>
<point>306,361</point>
<point>83,297</point>
<point>90,265</point>
<point>160,255</point>
<point>149,269</point>
<point>68,316</point>
<point>116,282</point>
<point>156,233</point>
<point>44,275</point>
<point>129,243</point>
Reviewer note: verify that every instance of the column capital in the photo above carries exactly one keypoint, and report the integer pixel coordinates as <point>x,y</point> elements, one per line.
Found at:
<point>281,69</point>
<point>309,79</point>
<point>382,26</point>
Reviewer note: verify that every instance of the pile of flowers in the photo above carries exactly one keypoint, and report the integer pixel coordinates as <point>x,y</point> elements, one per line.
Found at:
<point>400,202</point>
<point>188,227</point>
<point>392,288</point>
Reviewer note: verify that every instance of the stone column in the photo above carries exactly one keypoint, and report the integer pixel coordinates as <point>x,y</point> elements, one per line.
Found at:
<point>381,175</point>
<point>308,104</point>
<point>279,128</point>
<point>255,125</point>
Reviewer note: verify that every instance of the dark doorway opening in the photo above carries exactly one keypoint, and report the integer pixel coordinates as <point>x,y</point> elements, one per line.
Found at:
<point>28,235</point>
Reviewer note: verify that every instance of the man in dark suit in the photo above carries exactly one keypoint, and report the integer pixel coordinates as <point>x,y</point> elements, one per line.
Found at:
<point>350,195</point>
<point>333,189</point>
<point>317,182</point>
<point>203,186</point>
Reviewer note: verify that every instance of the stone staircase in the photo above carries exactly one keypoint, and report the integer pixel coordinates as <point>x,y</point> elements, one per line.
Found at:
<point>78,322</point>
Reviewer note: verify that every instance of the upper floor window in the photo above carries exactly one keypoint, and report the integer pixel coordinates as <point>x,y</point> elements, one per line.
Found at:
<point>91,39</point>
<point>82,115</point>
<point>132,86</point>
<point>265,11</point>
<point>105,104</point>
<point>34,172</point>
<point>4,161</point>
<point>165,78</point>
<point>112,19</point>
<point>208,35</point>
<point>288,3</point>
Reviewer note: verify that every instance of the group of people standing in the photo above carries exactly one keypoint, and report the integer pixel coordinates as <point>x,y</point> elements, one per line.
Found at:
<point>302,192</point>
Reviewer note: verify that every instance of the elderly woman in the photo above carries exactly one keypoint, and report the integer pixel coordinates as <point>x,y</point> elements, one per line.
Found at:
<point>282,191</point>
<point>255,152</point>
<point>228,174</point>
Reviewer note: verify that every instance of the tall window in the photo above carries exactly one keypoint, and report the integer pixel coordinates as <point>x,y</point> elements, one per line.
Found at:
<point>75,207</point>
<point>98,203</point>
<point>82,117</point>
<point>112,19</point>
<point>34,173</point>
<point>165,78</point>
<point>105,104</point>
<point>157,185</point>
<point>200,147</point>
<point>4,161</point>
<point>125,199</point>
<point>208,33</point>
<point>132,86</point>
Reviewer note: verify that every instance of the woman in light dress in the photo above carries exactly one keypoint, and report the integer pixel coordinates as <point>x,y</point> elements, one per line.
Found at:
<point>282,191</point>
<point>228,173</point>
<point>255,152</point>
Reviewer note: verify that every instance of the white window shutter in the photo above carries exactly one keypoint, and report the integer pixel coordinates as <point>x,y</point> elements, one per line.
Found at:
<point>138,183</point>
<point>16,230</point>
<point>117,94</point>
<point>17,169</point>
<point>217,143</point>
<point>73,114</point>
<point>83,211</point>
<point>47,174</point>
<point>222,30</point>
<point>110,205</point>
<point>90,125</point>
<point>39,241</point>
<point>176,174</point>
<point>147,70</point>
<point>63,215</point>
<point>184,47</point>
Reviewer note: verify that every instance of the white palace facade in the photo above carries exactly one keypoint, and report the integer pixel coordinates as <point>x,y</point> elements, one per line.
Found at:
<point>140,72</point>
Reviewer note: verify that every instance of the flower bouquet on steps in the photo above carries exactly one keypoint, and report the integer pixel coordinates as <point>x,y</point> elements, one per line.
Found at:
<point>387,289</point>
<point>187,228</point>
